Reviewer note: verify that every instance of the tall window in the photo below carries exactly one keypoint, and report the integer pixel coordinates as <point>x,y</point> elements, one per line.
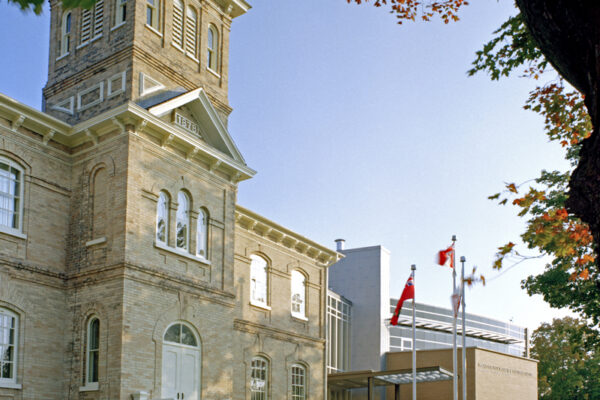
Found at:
<point>92,28</point>
<point>11,192</point>
<point>202,234</point>
<point>92,350</point>
<point>120,12</point>
<point>259,379</point>
<point>65,38</point>
<point>191,20</point>
<point>258,280</point>
<point>98,18</point>
<point>178,8</point>
<point>298,294</point>
<point>298,382</point>
<point>8,348</point>
<point>181,363</point>
<point>153,13</point>
<point>212,59</point>
<point>162,218</point>
<point>183,220</point>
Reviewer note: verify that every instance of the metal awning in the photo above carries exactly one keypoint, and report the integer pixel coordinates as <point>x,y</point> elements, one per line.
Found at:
<point>362,379</point>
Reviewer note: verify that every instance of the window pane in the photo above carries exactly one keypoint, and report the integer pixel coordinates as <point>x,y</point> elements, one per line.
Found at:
<point>162,218</point>
<point>173,334</point>
<point>94,335</point>
<point>202,234</point>
<point>182,221</point>
<point>187,337</point>
<point>258,279</point>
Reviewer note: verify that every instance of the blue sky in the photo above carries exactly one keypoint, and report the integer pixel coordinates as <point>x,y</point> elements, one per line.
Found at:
<point>367,130</point>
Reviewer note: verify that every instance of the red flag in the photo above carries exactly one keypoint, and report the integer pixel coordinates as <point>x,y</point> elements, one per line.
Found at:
<point>444,255</point>
<point>407,293</point>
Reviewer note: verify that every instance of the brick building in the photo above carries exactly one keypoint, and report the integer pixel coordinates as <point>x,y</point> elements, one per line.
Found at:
<point>127,270</point>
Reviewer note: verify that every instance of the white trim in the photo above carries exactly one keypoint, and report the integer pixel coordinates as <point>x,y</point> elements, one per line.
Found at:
<point>89,387</point>
<point>181,252</point>
<point>118,26</point>
<point>299,316</point>
<point>260,305</point>
<point>146,78</point>
<point>12,232</point>
<point>154,30</point>
<point>60,106</point>
<point>213,72</point>
<point>63,56</point>
<point>95,242</point>
<point>8,385</point>
<point>99,100</point>
<point>109,91</point>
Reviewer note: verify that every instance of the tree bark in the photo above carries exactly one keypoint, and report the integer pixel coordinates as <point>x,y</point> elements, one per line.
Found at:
<point>568,33</point>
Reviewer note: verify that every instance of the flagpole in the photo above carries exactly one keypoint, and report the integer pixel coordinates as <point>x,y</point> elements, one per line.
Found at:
<point>454,361</point>
<point>414,344</point>
<point>464,331</point>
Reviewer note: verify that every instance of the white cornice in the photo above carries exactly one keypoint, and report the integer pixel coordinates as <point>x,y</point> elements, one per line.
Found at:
<point>276,233</point>
<point>128,114</point>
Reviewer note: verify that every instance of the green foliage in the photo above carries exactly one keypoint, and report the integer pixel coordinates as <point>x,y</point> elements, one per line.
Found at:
<point>572,278</point>
<point>36,5</point>
<point>569,360</point>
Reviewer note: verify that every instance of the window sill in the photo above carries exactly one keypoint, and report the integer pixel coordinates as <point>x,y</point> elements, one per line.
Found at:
<point>97,37</point>
<point>12,232</point>
<point>300,317</point>
<point>188,55</point>
<point>153,29</point>
<point>260,305</point>
<point>10,385</point>
<point>96,241</point>
<point>213,72</point>
<point>180,252</point>
<point>177,47</point>
<point>63,56</point>
<point>89,387</point>
<point>120,24</point>
<point>82,45</point>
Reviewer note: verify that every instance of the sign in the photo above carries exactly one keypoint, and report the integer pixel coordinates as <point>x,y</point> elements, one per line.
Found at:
<point>186,124</point>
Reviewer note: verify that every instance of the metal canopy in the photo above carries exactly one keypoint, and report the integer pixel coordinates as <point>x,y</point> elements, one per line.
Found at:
<point>360,379</point>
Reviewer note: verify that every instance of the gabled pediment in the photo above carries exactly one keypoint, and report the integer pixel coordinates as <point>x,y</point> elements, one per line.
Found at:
<point>194,113</point>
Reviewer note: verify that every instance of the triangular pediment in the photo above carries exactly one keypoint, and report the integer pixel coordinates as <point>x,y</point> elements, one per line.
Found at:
<point>194,113</point>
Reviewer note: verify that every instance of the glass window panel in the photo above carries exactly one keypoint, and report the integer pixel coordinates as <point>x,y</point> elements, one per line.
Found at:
<point>187,336</point>
<point>173,334</point>
<point>182,221</point>
<point>258,279</point>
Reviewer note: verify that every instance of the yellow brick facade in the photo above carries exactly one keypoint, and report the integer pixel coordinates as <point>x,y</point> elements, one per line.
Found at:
<point>87,247</point>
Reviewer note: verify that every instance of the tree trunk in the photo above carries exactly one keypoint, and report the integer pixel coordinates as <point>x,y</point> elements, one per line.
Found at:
<point>568,33</point>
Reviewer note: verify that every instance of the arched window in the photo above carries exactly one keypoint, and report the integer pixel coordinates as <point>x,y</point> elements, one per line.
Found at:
<point>65,37</point>
<point>259,379</point>
<point>181,363</point>
<point>183,220</point>
<point>212,59</point>
<point>92,352</point>
<point>8,346</point>
<point>191,21</point>
<point>98,18</point>
<point>153,14</point>
<point>11,193</point>
<point>120,12</point>
<point>258,280</point>
<point>202,234</point>
<point>162,218</point>
<point>298,382</point>
<point>178,8</point>
<point>298,294</point>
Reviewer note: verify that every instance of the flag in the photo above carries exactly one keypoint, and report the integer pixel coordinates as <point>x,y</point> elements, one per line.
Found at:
<point>444,255</point>
<point>455,300</point>
<point>407,293</point>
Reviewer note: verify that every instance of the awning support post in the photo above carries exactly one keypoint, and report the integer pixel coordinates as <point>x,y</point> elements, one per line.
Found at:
<point>370,389</point>
<point>397,391</point>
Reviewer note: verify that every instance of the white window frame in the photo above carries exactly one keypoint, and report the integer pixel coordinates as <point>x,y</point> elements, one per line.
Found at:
<point>298,382</point>
<point>202,234</point>
<point>113,91</point>
<point>155,14</point>
<point>162,196</point>
<point>259,281</point>
<point>10,382</point>
<point>90,385</point>
<point>259,388</point>
<point>298,297</point>
<point>99,100</point>
<point>66,31</point>
<point>183,218</point>
<point>16,197</point>
<point>120,13</point>
<point>212,55</point>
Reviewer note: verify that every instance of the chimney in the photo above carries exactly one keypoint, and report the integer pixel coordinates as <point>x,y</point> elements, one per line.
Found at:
<point>340,244</point>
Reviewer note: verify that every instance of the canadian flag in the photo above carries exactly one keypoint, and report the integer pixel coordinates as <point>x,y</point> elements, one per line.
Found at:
<point>407,293</point>
<point>444,255</point>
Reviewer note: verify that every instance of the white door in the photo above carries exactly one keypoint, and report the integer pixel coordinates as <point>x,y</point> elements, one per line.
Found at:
<point>180,373</point>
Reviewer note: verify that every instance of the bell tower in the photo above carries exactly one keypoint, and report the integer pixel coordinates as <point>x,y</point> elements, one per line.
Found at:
<point>144,51</point>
